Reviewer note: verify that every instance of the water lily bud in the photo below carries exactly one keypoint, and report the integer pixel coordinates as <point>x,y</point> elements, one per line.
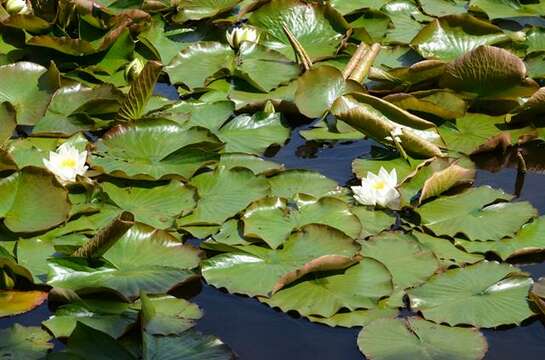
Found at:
<point>6,282</point>
<point>518,36</point>
<point>133,69</point>
<point>16,6</point>
<point>244,33</point>
<point>269,108</point>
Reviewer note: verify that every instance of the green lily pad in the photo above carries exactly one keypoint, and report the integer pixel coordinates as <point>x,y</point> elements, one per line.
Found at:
<point>355,318</point>
<point>20,342</point>
<point>112,318</point>
<point>474,214</point>
<point>253,134</point>
<point>289,183</point>
<point>201,9</point>
<point>346,7</point>
<point>452,36</point>
<point>319,28</point>
<point>264,68</point>
<point>65,114</point>
<point>156,38</point>
<point>14,302</point>
<point>318,88</point>
<point>389,161</point>
<point>253,163</point>
<point>132,150</point>
<point>405,17</point>
<point>210,115</point>
<point>487,294</point>
<point>443,7</point>
<point>530,239</point>
<point>373,221</point>
<point>507,8</point>
<point>409,262</point>
<point>32,200</point>
<point>28,88</point>
<point>273,221</point>
<point>254,270</point>
<point>157,206</point>
<point>414,338</point>
<point>222,194</point>
<point>199,63</point>
<point>324,294</point>
<point>442,103</point>
<point>167,315</point>
<point>447,253</point>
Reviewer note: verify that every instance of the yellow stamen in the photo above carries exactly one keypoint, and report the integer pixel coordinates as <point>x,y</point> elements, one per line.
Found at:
<point>379,185</point>
<point>68,163</point>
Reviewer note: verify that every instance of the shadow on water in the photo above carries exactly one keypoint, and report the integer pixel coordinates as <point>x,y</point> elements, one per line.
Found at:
<point>257,332</point>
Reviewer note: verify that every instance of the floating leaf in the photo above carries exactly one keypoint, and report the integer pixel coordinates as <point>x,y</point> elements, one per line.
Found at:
<point>157,206</point>
<point>28,89</point>
<point>167,315</point>
<point>355,318</point>
<point>507,8</point>
<point>414,338</point>
<point>201,9</point>
<point>132,150</point>
<point>32,200</point>
<point>443,180</point>
<point>410,263</point>
<point>20,342</point>
<point>487,294</point>
<point>273,221</point>
<point>373,221</point>
<point>405,17</point>
<point>251,162</point>
<point>8,121</point>
<point>14,302</point>
<point>442,103</point>
<point>254,270</point>
<point>452,36</point>
<point>446,251</point>
<point>475,214</point>
<point>197,64</point>
<point>289,183</point>
<point>358,287</point>
<point>240,186</point>
<point>253,134</point>
<point>530,239</point>
<point>318,28</point>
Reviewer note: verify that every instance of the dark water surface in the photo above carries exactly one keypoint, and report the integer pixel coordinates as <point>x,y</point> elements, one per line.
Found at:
<point>256,332</point>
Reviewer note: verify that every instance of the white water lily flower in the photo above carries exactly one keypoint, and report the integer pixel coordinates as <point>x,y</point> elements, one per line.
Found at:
<point>378,189</point>
<point>16,7</point>
<point>244,33</point>
<point>66,163</point>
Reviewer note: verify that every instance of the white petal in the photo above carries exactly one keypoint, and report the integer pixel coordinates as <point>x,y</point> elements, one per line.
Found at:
<point>364,196</point>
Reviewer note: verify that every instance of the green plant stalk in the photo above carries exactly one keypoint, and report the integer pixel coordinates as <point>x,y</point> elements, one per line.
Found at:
<point>362,68</point>
<point>300,52</point>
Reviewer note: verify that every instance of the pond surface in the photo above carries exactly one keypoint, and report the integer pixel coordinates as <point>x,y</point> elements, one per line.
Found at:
<point>255,331</point>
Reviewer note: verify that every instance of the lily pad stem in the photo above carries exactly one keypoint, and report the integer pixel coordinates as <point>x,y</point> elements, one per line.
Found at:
<point>521,163</point>
<point>355,59</point>
<point>362,68</point>
<point>398,146</point>
<point>300,52</point>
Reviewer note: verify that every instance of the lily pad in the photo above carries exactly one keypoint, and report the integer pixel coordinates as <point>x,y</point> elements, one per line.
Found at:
<point>254,270</point>
<point>289,183</point>
<point>132,150</point>
<point>13,302</point>
<point>239,186</point>
<point>507,8</point>
<point>32,200</point>
<point>373,221</point>
<point>28,88</point>
<point>445,251</point>
<point>201,9</point>
<point>199,63</point>
<point>272,220</point>
<point>20,342</point>
<point>452,36</point>
<point>319,28</point>
<point>414,338</point>
<point>157,206</point>
<point>167,315</point>
<point>487,294</point>
<point>475,214</point>
<point>324,294</point>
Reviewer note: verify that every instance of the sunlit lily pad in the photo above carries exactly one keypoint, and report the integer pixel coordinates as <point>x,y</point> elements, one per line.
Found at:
<point>373,221</point>
<point>200,9</point>
<point>20,342</point>
<point>414,338</point>
<point>358,287</point>
<point>487,294</point>
<point>355,318</point>
<point>167,315</point>
<point>254,270</point>
<point>32,200</point>
<point>240,186</point>
<point>133,150</point>
<point>272,220</point>
<point>507,8</point>
<point>474,214</point>
<point>157,206</point>
<point>292,182</point>
<point>445,251</point>
<point>317,27</point>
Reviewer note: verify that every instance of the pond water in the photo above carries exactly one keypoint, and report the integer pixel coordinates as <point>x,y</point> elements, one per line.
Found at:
<point>255,331</point>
